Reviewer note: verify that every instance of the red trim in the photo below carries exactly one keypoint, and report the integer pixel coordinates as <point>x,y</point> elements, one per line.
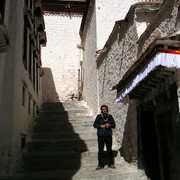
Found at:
<point>170,51</point>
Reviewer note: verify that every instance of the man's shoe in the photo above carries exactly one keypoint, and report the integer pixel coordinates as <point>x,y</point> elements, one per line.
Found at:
<point>99,167</point>
<point>112,166</point>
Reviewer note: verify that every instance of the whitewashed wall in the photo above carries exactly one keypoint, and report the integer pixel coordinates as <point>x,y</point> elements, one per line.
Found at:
<point>109,12</point>
<point>99,24</point>
<point>122,53</point>
<point>89,62</point>
<point>61,57</point>
<point>15,120</point>
<point>106,15</point>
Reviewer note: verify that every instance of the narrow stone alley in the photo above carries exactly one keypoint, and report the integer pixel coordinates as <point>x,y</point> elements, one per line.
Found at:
<point>63,146</point>
<point>61,60</point>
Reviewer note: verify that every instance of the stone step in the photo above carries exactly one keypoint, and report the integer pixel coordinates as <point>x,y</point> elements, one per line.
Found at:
<point>87,155</point>
<point>62,118</point>
<point>64,105</point>
<point>62,123</point>
<point>84,137</point>
<point>61,145</point>
<point>62,160</point>
<point>61,136</point>
<point>122,172</point>
<point>74,103</point>
<point>64,112</point>
<point>67,128</point>
<point>83,148</point>
<point>67,109</point>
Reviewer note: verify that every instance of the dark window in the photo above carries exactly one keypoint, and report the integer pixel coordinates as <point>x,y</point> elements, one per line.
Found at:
<point>34,109</point>
<point>25,47</point>
<point>26,3</point>
<point>30,59</point>
<point>31,4</point>
<point>34,71</point>
<point>23,95</point>
<point>29,105</point>
<point>25,36</point>
<point>37,79</point>
<point>2,10</point>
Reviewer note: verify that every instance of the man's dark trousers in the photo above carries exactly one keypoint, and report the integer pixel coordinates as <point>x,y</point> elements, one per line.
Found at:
<point>102,140</point>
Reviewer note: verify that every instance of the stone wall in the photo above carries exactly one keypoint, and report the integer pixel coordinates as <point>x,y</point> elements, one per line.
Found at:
<point>61,58</point>
<point>99,24</point>
<point>122,51</point>
<point>89,61</point>
<point>105,18</point>
<point>17,108</point>
<point>164,25</point>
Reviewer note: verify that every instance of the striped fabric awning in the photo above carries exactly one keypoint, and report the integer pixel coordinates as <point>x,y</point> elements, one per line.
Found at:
<point>166,58</point>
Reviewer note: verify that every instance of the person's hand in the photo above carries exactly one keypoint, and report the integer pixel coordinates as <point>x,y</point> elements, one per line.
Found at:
<point>107,125</point>
<point>103,126</point>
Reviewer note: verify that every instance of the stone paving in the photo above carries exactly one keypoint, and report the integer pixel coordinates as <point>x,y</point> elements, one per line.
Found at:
<point>63,146</point>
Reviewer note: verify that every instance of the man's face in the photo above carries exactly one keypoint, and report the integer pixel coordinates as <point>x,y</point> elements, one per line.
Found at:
<point>104,110</point>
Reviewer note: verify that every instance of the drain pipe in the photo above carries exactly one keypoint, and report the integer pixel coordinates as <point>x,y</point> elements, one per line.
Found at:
<point>80,47</point>
<point>79,85</point>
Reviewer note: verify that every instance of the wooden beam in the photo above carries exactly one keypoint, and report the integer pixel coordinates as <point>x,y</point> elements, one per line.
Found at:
<point>72,1</point>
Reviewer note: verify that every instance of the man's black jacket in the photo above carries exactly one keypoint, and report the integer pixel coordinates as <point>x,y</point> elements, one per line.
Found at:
<point>100,120</point>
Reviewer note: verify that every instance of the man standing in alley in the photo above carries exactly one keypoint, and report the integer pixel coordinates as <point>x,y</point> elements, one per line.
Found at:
<point>104,123</point>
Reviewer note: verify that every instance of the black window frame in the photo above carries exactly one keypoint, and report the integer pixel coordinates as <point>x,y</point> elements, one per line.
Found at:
<point>2,10</point>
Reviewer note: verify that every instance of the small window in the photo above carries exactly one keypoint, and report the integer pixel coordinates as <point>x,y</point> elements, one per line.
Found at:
<point>2,10</point>
<point>26,3</point>
<point>37,80</point>
<point>29,105</point>
<point>25,47</point>
<point>30,60</point>
<point>34,71</point>
<point>34,109</point>
<point>23,95</point>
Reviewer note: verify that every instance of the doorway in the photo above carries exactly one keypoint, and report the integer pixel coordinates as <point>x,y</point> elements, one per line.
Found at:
<point>156,142</point>
<point>149,146</point>
<point>166,145</point>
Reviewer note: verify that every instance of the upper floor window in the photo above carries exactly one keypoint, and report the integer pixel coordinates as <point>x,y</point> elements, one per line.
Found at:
<point>23,95</point>
<point>2,10</point>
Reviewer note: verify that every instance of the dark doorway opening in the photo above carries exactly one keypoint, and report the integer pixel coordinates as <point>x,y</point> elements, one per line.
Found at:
<point>157,144</point>
<point>149,145</point>
<point>166,151</point>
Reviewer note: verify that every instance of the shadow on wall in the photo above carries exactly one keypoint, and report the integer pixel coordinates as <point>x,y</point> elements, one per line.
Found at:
<point>126,149</point>
<point>49,93</point>
<point>55,148</point>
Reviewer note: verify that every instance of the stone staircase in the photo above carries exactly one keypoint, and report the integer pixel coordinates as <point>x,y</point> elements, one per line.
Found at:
<point>63,146</point>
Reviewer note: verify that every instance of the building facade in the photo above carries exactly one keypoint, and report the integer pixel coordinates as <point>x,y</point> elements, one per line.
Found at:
<point>61,57</point>
<point>146,111</point>
<point>114,49</point>
<point>95,30</point>
<point>22,35</point>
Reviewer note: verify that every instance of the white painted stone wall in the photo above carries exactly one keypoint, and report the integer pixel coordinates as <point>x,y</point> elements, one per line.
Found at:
<point>106,15</point>
<point>122,53</point>
<point>14,118</point>
<point>61,58</point>
<point>164,24</point>
<point>89,63</point>
<point>109,12</point>
<point>99,24</point>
